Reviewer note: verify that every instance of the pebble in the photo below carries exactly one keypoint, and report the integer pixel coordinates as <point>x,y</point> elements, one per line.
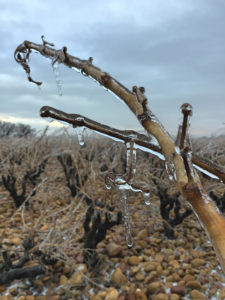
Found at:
<point>140,295</point>
<point>112,294</point>
<point>3,210</point>
<point>174,297</point>
<point>118,277</point>
<point>63,280</point>
<point>222,293</point>
<point>188,277</point>
<point>160,296</point>
<point>175,264</point>
<point>15,241</point>
<point>133,260</point>
<point>158,258</point>
<point>192,284</point>
<point>198,262</point>
<point>76,279</point>
<point>177,289</point>
<point>134,270</point>
<point>139,276</point>
<point>44,228</point>
<point>212,291</point>
<point>150,266</point>
<point>196,295</point>
<point>102,294</point>
<point>142,234</point>
<point>151,277</point>
<point>113,249</point>
<point>154,287</point>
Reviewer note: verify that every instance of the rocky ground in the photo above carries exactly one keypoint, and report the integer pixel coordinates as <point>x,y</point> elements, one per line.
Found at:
<point>154,268</point>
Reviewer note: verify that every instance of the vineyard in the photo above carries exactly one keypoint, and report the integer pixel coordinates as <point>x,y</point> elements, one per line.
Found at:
<point>62,225</point>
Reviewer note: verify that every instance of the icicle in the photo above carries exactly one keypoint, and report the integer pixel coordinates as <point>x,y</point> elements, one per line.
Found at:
<point>55,66</point>
<point>126,216</point>
<point>80,134</point>
<point>39,88</point>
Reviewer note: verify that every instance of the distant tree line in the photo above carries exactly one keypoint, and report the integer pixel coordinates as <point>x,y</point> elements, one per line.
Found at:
<point>19,130</point>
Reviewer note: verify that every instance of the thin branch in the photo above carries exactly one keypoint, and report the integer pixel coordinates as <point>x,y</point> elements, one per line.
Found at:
<point>77,120</point>
<point>142,140</point>
<point>185,147</point>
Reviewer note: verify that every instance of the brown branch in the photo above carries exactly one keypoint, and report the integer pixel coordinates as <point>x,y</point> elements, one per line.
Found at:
<point>142,140</point>
<point>210,218</point>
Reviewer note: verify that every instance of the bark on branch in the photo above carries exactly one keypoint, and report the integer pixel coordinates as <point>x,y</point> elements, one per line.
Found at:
<point>142,140</point>
<point>189,186</point>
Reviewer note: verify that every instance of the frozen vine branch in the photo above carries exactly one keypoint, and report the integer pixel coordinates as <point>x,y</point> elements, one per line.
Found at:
<point>126,136</point>
<point>186,178</point>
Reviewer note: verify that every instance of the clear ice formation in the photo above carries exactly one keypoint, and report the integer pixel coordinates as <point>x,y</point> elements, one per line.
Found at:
<point>80,135</point>
<point>126,216</point>
<point>55,67</point>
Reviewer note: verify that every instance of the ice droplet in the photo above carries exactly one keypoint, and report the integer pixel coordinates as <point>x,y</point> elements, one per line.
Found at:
<point>147,198</point>
<point>80,134</point>
<point>126,216</point>
<point>55,67</point>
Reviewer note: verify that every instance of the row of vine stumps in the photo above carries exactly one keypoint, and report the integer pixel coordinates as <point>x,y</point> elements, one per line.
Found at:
<point>62,231</point>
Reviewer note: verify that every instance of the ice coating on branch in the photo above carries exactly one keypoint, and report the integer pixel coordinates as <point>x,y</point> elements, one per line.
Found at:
<point>115,96</point>
<point>130,159</point>
<point>126,215</point>
<point>79,119</point>
<point>76,69</point>
<point>55,67</point>
<point>170,168</point>
<point>206,172</point>
<point>186,107</point>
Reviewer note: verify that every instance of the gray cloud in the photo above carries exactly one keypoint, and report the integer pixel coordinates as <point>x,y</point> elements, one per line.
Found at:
<point>175,49</point>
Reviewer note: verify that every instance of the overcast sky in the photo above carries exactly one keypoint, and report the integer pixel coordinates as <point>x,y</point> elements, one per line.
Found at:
<point>174,48</point>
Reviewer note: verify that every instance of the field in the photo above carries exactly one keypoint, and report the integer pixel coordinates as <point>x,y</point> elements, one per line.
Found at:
<point>48,184</point>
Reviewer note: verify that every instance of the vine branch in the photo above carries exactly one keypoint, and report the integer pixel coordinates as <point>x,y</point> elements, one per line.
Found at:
<point>142,140</point>
<point>192,190</point>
